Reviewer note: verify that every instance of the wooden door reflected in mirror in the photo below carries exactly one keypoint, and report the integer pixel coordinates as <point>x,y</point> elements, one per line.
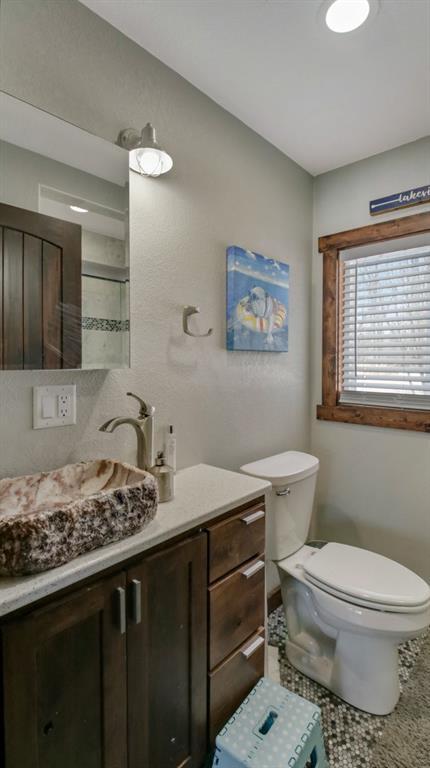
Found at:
<point>40,301</point>
<point>64,255</point>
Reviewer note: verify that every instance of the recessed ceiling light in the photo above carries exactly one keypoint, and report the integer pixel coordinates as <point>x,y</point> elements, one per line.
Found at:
<point>78,209</point>
<point>347,15</point>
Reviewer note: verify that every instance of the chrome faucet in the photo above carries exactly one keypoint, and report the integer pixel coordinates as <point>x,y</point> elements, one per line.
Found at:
<point>143,426</point>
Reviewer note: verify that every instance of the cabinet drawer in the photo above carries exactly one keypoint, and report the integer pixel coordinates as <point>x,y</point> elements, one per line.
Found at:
<point>236,609</point>
<point>235,540</point>
<point>232,681</point>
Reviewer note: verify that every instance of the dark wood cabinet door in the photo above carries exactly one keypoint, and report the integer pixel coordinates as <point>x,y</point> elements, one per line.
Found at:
<point>167,657</point>
<point>40,291</point>
<point>64,670</point>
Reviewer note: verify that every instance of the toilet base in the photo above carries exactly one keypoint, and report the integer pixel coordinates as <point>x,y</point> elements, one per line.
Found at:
<point>363,671</point>
<point>350,649</point>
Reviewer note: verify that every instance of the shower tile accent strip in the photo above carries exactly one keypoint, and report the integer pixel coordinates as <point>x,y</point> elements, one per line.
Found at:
<point>349,734</point>
<point>103,324</point>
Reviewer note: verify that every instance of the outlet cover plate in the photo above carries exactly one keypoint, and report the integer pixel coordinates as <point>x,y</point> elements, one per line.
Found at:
<point>58,401</point>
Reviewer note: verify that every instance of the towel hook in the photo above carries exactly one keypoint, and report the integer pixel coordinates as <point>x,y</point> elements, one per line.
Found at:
<point>187,312</point>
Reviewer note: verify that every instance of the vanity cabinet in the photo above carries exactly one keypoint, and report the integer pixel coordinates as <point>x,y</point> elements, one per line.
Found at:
<point>167,657</point>
<point>113,675</point>
<point>236,609</point>
<point>140,668</point>
<point>236,598</point>
<point>64,678</point>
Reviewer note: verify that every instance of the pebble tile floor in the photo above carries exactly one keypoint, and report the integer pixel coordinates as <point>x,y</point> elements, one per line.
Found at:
<point>349,733</point>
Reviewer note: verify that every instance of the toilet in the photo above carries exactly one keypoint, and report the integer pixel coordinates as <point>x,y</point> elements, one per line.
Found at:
<point>347,609</point>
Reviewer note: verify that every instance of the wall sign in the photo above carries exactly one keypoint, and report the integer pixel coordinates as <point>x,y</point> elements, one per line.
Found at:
<point>400,200</point>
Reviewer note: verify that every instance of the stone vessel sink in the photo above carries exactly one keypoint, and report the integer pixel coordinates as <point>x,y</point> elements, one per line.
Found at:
<point>49,518</point>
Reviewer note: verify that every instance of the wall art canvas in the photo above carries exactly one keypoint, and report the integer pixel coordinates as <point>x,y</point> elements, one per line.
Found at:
<point>257,302</point>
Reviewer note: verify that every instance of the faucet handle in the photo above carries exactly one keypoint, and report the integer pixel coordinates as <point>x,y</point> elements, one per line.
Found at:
<point>145,409</point>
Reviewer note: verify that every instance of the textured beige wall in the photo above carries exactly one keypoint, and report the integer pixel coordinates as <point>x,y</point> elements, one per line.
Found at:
<point>228,186</point>
<point>374,484</point>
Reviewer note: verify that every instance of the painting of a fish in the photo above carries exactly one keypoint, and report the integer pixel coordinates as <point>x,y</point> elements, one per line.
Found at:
<point>257,302</point>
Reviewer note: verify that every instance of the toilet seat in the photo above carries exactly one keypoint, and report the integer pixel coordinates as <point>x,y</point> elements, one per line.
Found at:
<point>366,579</point>
<point>370,605</point>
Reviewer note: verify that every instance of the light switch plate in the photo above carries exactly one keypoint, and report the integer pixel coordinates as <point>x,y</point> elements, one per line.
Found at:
<point>54,406</point>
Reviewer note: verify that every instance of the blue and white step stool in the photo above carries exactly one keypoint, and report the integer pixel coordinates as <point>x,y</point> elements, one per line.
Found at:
<point>272,728</point>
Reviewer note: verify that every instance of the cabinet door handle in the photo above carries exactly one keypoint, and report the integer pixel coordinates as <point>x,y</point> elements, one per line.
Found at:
<point>253,569</point>
<point>253,517</point>
<point>252,647</point>
<point>122,618</point>
<point>136,601</point>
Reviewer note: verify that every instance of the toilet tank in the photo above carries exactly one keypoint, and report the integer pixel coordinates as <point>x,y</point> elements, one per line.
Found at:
<point>293,475</point>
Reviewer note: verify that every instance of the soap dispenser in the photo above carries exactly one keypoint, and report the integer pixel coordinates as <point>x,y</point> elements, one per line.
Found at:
<point>170,448</point>
<point>164,476</point>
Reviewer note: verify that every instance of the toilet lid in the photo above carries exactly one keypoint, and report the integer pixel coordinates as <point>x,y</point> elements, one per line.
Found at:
<point>366,576</point>
<point>287,467</point>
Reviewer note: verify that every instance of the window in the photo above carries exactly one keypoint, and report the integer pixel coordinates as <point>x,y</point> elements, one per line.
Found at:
<point>376,325</point>
<point>385,328</point>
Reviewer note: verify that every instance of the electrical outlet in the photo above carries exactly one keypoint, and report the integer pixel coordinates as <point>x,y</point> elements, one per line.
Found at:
<point>64,406</point>
<point>54,406</point>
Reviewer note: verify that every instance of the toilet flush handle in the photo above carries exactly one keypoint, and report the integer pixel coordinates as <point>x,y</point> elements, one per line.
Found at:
<point>284,492</point>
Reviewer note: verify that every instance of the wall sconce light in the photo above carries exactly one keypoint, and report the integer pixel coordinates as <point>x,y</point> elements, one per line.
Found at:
<point>146,155</point>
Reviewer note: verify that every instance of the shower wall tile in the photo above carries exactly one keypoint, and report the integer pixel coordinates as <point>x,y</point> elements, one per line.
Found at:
<point>103,349</point>
<point>101,298</point>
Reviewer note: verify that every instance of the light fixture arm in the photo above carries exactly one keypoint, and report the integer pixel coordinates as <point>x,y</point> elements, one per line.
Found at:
<point>130,139</point>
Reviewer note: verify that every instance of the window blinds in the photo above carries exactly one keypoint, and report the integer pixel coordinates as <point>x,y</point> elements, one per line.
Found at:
<point>385,328</point>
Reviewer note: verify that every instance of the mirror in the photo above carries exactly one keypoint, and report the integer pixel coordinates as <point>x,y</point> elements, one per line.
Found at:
<point>64,255</point>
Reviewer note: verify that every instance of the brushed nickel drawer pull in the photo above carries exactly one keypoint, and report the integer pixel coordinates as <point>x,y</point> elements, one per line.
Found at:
<point>253,569</point>
<point>122,618</point>
<point>252,647</point>
<point>136,601</point>
<point>253,517</point>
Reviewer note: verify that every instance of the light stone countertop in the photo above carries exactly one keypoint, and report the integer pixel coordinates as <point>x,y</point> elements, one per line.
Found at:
<point>202,492</point>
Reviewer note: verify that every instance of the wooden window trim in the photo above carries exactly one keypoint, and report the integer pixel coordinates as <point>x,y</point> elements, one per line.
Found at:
<point>331,409</point>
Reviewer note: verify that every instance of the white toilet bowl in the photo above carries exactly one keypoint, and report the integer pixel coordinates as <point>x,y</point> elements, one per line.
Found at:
<point>347,609</point>
<point>349,643</point>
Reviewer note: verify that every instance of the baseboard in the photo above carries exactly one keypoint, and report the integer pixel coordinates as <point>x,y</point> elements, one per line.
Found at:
<point>274,599</point>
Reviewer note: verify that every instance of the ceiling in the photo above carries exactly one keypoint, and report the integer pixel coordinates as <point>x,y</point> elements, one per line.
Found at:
<point>324,99</point>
